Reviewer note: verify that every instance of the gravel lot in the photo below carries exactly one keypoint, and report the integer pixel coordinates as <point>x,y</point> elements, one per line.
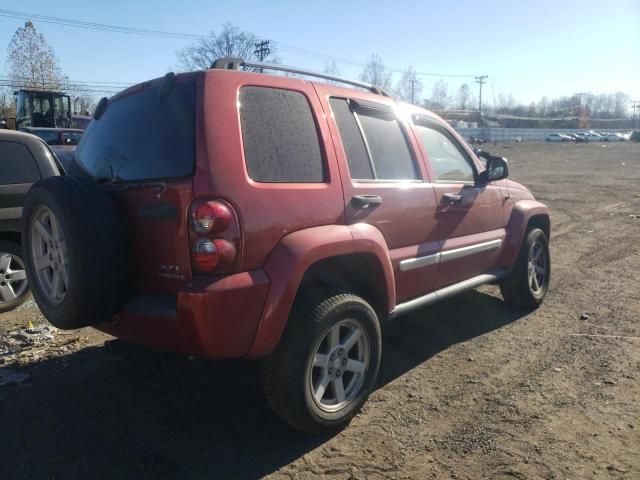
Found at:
<point>469,388</point>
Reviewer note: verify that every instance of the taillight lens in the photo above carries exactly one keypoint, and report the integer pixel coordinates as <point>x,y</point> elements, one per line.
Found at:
<point>210,216</point>
<point>205,255</point>
<point>215,236</point>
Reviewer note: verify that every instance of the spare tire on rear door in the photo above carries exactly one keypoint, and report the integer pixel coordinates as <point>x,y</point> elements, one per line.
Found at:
<point>74,251</point>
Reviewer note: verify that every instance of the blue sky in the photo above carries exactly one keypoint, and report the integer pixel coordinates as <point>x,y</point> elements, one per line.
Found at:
<point>528,49</point>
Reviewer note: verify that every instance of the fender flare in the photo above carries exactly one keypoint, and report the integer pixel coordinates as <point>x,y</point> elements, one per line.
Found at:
<point>521,214</point>
<point>291,258</point>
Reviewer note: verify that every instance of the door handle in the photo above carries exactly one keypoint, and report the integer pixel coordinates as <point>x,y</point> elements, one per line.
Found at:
<point>452,198</point>
<point>365,201</point>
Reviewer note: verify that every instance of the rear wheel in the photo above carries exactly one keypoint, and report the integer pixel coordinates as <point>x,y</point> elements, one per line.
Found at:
<point>14,287</point>
<point>527,284</point>
<point>326,364</point>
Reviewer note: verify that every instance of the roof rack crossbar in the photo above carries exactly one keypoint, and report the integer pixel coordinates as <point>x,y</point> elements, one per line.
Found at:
<point>236,63</point>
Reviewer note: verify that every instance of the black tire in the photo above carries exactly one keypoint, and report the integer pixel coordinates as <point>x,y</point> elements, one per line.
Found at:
<point>15,251</point>
<point>286,372</point>
<point>94,239</point>
<point>516,288</point>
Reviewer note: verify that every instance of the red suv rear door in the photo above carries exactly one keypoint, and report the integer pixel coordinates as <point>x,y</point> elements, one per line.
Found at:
<point>384,183</point>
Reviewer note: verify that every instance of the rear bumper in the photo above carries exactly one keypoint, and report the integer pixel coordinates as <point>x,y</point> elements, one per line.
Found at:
<point>208,319</point>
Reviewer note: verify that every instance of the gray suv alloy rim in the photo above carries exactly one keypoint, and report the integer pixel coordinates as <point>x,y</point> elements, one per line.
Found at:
<point>13,277</point>
<point>49,254</point>
<point>339,365</point>
<point>537,268</point>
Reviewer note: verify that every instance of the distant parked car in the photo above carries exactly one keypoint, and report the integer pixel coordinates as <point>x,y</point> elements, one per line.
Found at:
<point>24,159</point>
<point>594,137</point>
<point>580,137</point>
<point>558,137</point>
<point>635,136</point>
<point>56,136</point>
<point>615,137</point>
<point>62,141</point>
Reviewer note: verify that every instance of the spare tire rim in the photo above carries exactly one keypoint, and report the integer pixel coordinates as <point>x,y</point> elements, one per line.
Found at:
<point>13,277</point>
<point>538,267</point>
<point>339,365</point>
<point>49,255</point>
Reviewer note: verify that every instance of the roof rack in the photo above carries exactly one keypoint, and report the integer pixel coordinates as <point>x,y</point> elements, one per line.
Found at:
<point>232,63</point>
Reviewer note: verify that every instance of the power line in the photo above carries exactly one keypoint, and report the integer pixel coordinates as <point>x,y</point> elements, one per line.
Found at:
<point>190,36</point>
<point>95,26</point>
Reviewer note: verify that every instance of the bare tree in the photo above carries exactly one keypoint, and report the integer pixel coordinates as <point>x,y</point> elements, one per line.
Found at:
<point>621,103</point>
<point>464,98</point>
<point>376,73</point>
<point>31,61</point>
<point>331,69</point>
<point>409,88</point>
<point>229,42</point>
<point>439,95</point>
<point>543,106</point>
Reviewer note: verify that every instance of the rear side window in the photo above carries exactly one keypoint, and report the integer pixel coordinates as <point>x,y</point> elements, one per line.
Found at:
<point>352,141</point>
<point>374,143</point>
<point>142,136</point>
<point>17,165</point>
<point>280,136</point>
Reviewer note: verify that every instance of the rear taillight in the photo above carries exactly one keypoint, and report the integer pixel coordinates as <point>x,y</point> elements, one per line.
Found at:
<point>215,236</point>
<point>210,216</point>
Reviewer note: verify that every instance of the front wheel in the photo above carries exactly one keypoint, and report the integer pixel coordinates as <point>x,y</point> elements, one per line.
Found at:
<point>326,364</point>
<point>528,283</point>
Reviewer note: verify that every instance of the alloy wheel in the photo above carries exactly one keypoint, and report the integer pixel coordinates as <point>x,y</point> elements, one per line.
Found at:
<point>339,365</point>
<point>49,254</point>
<point>13,277</point>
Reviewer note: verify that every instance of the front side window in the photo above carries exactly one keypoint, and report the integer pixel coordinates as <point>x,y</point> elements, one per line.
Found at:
<point>374,142</point>
<point>448,163</point>
<point>280,137</point>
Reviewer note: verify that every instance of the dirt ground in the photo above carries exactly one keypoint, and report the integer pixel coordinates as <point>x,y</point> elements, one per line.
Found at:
<point>469,388</point>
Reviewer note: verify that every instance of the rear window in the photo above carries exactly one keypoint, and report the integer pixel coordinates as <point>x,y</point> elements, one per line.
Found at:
<point>279,136</point>
<point>50,137</point>
<point>17,165</point>
<point>71,138</point>
<point>142,137</point>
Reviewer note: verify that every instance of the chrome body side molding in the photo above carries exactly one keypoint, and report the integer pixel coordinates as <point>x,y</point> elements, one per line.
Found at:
<point>411,263</point>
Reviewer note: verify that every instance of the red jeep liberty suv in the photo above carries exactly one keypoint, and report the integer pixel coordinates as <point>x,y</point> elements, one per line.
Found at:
<point>232,214</point>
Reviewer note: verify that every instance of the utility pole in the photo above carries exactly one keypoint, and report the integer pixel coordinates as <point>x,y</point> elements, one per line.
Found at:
<point>413,82</point>
<point>262,49</point>
<point>636,106</point>
<point>481,80</point>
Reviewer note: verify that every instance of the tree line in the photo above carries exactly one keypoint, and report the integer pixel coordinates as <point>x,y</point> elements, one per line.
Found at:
<point>32,63</point>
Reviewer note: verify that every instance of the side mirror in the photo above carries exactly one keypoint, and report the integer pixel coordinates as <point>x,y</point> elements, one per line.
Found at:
<point>497,169</point>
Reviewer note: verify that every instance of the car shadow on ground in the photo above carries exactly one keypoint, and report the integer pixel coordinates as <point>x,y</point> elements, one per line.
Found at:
<point>131,412</point>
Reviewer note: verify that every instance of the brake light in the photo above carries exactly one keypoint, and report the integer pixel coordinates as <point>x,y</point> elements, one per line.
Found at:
<point>215,236</point>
